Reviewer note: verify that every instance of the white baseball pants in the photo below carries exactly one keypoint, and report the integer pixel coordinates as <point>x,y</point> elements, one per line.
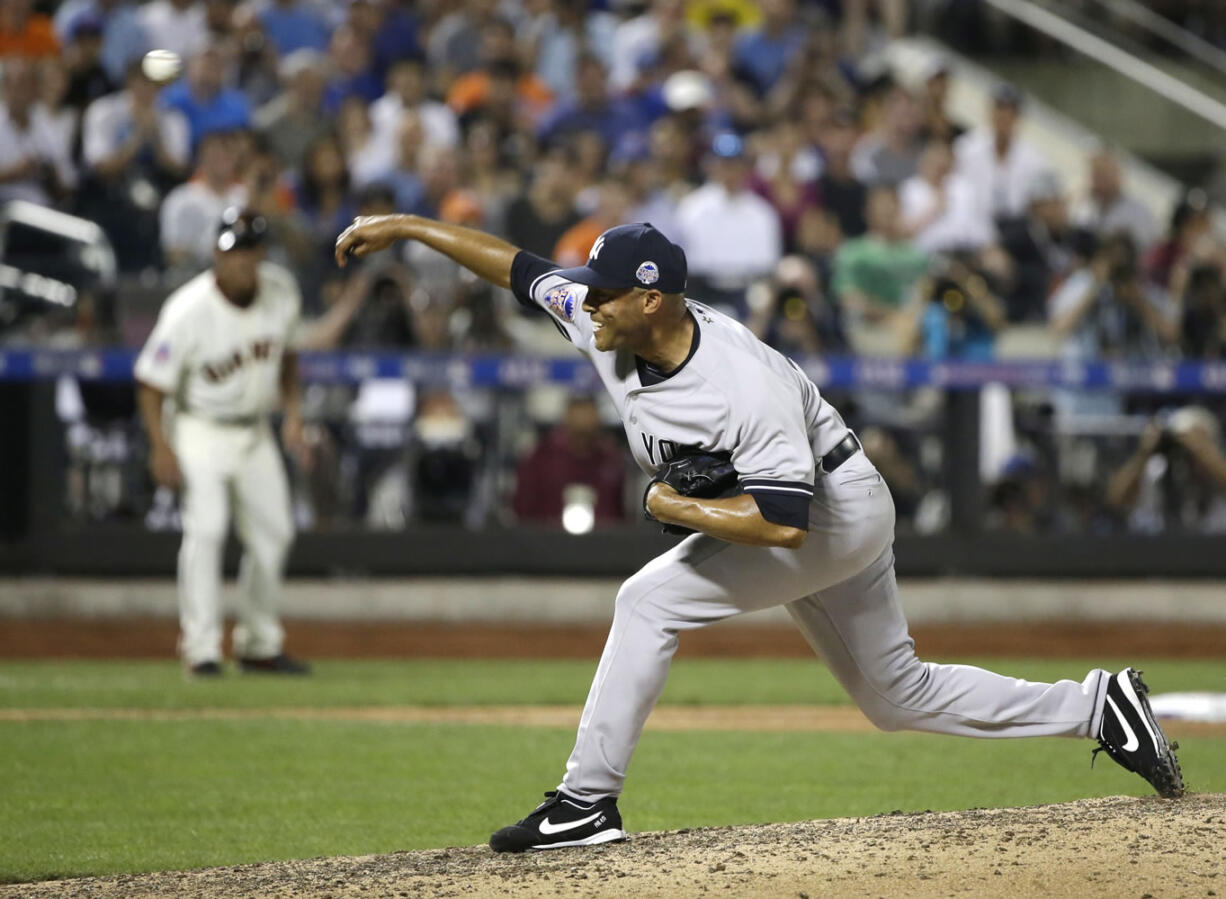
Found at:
<point>230,468</point>
<point>840,590</point>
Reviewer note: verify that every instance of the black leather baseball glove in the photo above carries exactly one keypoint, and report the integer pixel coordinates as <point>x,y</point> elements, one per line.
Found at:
<point>695,473</point>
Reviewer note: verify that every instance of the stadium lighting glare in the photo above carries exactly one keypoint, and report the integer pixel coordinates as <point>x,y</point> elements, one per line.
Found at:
<point>578,508</point>
<point>578,518</point>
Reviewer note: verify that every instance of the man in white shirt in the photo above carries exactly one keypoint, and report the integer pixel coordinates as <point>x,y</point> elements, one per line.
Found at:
<point>999,164</point>
<point>127,130</point>
<point>730,234</point>
<point>1106,209</point>
<point>223,351</point>
<point>406,92</point>
<point>939,208</point>
<point>35,161</point>
<point>192,210</point>
<point>133,153</point>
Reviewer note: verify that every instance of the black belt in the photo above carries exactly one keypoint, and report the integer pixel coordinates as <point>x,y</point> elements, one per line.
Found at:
<point>238,421</point>
<point>245,421</point>
<point>843,450</point>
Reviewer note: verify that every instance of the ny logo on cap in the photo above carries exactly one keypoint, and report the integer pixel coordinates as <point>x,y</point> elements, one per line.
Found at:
<point>596,248</point>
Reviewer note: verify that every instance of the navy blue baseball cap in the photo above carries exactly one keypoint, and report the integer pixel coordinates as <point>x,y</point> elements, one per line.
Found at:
<point>628,256</point>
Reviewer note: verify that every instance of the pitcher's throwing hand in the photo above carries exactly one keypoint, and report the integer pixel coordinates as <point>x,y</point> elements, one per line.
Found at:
<point>367,234</point>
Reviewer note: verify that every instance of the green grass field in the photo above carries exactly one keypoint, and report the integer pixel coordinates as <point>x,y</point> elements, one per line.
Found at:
<point>105,796</point>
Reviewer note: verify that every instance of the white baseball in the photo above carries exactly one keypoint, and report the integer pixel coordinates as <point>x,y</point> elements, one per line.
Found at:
<point>161,65</point>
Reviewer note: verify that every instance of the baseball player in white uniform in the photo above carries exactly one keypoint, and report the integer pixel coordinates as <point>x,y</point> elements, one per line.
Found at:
<point>222,351</point>
<point>812,528</point>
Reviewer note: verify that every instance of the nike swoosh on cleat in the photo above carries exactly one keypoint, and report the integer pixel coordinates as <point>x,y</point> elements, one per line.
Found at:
<point>548,828</point>
<point>1130,744</point>
<point>1131,694</point>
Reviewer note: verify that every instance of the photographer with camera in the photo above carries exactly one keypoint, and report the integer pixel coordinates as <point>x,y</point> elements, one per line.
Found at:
<point>956,315</point>
<point>1036,240</point>
<point>791,312</point>
<point>1106,309</point>
<point>1176,478</point>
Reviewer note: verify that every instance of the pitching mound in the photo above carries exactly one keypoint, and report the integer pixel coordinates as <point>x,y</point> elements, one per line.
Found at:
<point>1119,846</point>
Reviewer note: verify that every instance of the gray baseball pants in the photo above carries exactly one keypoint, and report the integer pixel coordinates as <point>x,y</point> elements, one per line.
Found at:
<point>840,590</point>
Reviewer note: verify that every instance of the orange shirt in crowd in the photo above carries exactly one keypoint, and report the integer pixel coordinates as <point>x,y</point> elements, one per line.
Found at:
<point>35,38</point>
<point>472,89</point>
<point>461,207</point>
<point>576,242</point>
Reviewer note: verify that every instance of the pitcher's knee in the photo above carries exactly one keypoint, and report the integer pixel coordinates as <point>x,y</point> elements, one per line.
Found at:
<point>641,600</point>
<point>884,716</point>
<point>632,592</point>
<point>895,703</point>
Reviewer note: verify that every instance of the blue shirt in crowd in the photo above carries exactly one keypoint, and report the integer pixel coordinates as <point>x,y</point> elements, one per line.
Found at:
<point>396,39</point>
<point>958,338</point>
<point>294,28</point>
<point>766,57</point>
<point>227,110</point>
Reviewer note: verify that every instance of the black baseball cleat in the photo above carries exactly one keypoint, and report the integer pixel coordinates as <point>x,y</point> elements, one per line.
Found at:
<point>562,821</point>
<point>278,664</point>
<point>204,670</point>
<point>1132,737</point>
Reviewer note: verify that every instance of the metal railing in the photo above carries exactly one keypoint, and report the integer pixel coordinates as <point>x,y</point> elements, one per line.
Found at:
<point>1160,27</point>
<point>1127,64</point>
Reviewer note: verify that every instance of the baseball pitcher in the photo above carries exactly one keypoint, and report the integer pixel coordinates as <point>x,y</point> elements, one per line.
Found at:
<point>222,351</point>
<point>811,526</point>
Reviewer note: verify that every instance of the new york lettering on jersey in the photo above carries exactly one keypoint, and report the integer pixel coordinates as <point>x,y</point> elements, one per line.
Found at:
<point>732,394</point>
<point>658,449</point>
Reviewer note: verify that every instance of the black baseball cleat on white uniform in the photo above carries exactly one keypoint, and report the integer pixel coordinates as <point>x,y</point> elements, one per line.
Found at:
<point>1132,737</point>
<point>562,821</point>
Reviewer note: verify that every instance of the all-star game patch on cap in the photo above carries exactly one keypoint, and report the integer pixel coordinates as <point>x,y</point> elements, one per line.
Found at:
<point>241,229</point>
<point>628,256</point>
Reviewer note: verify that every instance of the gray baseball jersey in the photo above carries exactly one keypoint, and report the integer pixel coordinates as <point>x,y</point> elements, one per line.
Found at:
<point>732,394</point>
<point>735,394</point>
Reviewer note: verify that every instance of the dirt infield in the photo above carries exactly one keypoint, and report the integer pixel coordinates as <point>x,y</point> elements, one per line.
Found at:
<point>155,638</point>
<point>1102,847</point>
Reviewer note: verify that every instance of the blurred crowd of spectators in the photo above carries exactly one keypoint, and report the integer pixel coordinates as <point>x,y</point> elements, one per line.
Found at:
<point>826,204</point>
<point>831,207</point>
